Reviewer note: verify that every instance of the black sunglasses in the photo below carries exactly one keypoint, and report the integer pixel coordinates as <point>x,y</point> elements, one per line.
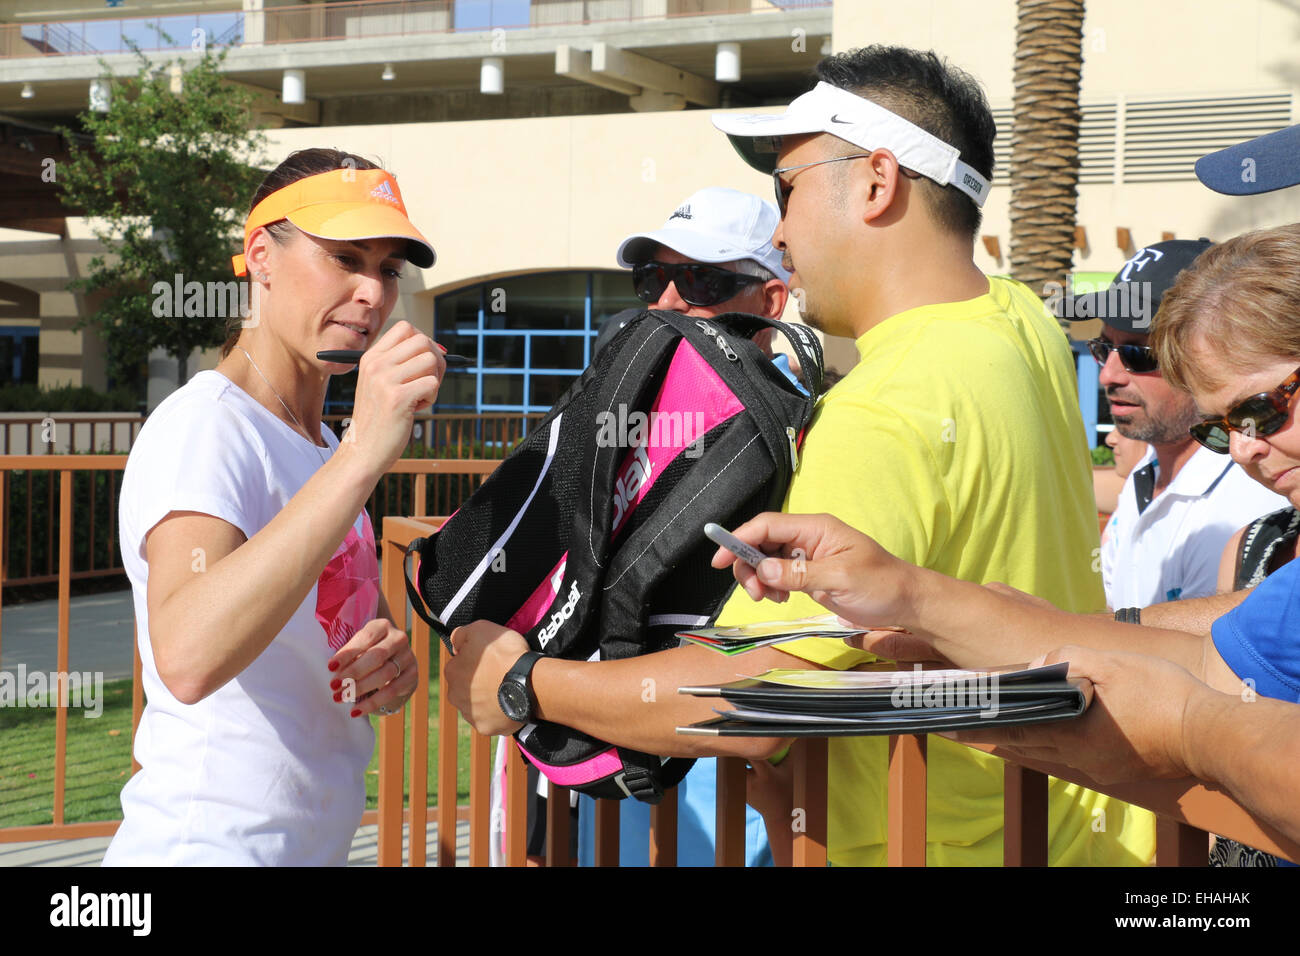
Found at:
<point>697,284</point>
<point>1138,359</point>
<point>1261,414</point>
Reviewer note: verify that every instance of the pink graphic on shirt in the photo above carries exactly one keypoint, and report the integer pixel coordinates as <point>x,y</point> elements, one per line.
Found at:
<point>347,593</point>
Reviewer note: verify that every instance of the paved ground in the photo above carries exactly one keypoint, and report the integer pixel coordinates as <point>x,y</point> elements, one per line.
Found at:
<point>99,635</point>
<point>90,851</point>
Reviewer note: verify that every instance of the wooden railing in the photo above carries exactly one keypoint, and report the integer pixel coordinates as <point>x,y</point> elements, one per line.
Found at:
<point>67,467</point>
<point>27,498</point>
<point>463,434</point>
<point>1187,810</point>
<point>455,434</point>
<point>68,434</point>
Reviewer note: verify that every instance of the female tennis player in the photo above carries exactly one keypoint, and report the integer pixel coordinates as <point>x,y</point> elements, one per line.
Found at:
<point>265,639</point>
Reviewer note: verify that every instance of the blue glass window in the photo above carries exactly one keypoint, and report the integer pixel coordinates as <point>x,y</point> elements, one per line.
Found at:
<point>529,336</point>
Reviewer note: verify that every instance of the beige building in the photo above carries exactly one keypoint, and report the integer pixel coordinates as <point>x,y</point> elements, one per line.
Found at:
<point>601,126</point>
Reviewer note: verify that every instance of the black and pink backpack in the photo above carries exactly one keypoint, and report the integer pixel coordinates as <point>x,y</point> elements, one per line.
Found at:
<point>588,539</point>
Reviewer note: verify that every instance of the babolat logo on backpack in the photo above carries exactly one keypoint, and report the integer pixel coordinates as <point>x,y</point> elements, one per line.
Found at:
<point>588,539</point>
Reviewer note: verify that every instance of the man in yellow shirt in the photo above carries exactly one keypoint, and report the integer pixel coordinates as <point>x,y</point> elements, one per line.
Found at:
<point>956,443</point>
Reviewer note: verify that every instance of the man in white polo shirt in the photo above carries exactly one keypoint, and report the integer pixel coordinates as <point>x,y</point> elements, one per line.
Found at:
<point>1182,502</point>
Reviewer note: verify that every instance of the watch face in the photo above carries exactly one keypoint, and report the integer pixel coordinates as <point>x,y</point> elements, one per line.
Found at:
<point>514,700</point>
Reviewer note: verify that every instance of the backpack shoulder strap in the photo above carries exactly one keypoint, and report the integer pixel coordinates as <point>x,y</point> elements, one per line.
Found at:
<point>803,341</point>
<point>417,603</point>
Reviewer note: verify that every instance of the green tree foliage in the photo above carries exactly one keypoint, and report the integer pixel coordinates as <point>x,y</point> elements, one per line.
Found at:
<point>166,183</point>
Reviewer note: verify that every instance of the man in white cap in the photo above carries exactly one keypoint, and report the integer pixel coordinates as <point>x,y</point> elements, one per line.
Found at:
<point>714,254</point>
<point>956,442</point>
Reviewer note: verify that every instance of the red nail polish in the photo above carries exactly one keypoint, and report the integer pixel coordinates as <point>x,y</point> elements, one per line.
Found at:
<point>334,665</point>
<point>441,346</point>
<point>356,712</point>
<point>338,698</point>
<point>335,684</point>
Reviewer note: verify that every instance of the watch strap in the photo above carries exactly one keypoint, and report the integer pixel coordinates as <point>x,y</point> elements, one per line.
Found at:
<point>520,674</point>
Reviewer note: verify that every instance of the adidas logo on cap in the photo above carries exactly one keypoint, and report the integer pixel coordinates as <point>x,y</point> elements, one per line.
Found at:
<point>385,192</point>
<point>683,212</point>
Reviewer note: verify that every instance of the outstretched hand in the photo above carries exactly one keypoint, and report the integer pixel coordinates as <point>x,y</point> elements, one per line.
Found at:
<point>1132,729</point>
<point>841,569</point>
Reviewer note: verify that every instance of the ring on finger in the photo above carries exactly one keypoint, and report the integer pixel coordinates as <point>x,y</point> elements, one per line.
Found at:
<point>393,661</point>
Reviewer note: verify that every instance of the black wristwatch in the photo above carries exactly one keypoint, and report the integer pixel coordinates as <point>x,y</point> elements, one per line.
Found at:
<point>515,695</point>
<point>1129,615</point>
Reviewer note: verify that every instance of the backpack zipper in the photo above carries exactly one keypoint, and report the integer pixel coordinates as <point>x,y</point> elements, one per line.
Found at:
<point>718,337</point>
<point>774,418</point>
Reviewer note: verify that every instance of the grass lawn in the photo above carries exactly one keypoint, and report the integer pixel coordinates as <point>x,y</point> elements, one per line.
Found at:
<point>99,760</point>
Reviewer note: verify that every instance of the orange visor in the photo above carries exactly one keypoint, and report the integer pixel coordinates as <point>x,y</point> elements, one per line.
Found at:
<point>342,204</point>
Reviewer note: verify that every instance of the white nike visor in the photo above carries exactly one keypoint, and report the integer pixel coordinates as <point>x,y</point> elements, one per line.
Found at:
<point>854,119</point>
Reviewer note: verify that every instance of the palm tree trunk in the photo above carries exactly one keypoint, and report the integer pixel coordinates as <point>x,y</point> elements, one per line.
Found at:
<point>1045,140</point>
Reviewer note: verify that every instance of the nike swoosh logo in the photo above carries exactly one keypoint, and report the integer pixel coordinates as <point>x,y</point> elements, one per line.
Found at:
<point>836,119</point>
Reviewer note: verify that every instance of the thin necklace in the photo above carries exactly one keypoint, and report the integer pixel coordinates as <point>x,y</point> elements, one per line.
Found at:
<point>286,407</point>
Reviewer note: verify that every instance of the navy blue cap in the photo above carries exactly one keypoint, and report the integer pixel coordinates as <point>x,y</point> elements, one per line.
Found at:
<point>1132,300</point>
<point>1259,165</point>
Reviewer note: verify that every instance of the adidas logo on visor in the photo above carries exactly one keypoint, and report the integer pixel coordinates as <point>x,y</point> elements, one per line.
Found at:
<point>385,192</point>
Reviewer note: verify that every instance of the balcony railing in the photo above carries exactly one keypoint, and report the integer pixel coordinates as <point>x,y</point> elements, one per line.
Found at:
<point>343,21</point>
<point>1187,810</point>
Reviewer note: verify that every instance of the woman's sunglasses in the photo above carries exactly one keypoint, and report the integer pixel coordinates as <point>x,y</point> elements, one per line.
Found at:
<point>697,284</point>
<point>1138,359</point>
<point>1261,414</point>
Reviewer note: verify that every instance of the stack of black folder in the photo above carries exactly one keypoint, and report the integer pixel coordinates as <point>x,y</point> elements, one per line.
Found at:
<point>793,703</point>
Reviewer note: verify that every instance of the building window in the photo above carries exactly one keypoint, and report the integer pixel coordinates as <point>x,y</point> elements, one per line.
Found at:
<point>528,336</point>
<point>19,354</point>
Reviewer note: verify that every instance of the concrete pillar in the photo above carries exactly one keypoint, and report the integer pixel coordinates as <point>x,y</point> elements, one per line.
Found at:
<point>726,63</point>
<point>293,87</point>
<point>492,76</point>
<point>254,22</point>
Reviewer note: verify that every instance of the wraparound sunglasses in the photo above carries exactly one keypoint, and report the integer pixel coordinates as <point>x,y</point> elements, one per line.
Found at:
<point>1138,359</point>
<point>696,283</point>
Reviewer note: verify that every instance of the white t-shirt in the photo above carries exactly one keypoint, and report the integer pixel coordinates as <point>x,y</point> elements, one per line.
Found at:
<point>1171,548</point>
<point>268,769</point>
